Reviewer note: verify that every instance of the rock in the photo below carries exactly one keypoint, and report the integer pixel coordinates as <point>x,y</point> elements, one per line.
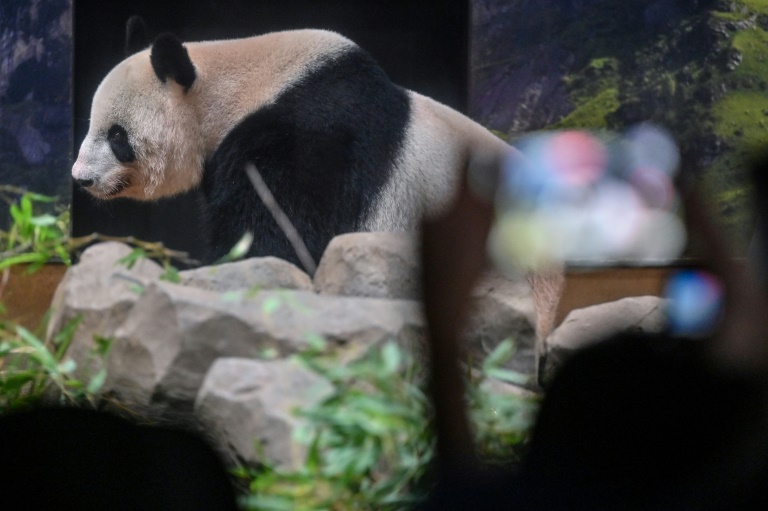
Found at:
<point>101,292</point>
<point>247,403</point>
<point>248,275</point>
<point>173,334</point>
<point>384,264</point>
<point>510,390</point>
<point>503,308</point>
<point>593,324</point>
<point>731,59</point>
<point>370,264</point>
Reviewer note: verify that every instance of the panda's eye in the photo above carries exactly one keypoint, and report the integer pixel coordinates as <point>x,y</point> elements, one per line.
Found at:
<point>118,142</point>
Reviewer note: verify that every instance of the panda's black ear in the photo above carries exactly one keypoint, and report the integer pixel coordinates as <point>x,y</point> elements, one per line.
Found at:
<point>135,35</point>
<point>170,59</point>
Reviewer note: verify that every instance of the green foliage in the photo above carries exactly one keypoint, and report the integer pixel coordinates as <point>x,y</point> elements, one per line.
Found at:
<point>753,46</point>
<point>39,234</point>
<point>369,442</point>
<point>35,237</point>
<point>742,125</point>
<point>501,420</point>
<point>593,112</point>
<point>729,16</point>
<point>31,369</point>
<point>136,255</point>
<point>757,6</point>
<point>602,62</point>
<point>743,120</point>
<point>171,273</point>
<point>239,250</point>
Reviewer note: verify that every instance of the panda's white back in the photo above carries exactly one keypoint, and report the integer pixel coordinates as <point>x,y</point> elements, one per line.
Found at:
<point>441,143</point>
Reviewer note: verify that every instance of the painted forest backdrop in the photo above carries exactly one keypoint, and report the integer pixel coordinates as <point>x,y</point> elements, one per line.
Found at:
<point>35,97</point>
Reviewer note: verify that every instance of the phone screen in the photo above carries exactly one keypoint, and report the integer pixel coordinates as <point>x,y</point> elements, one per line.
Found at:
<point>588,198</point>
<point>694,303</point>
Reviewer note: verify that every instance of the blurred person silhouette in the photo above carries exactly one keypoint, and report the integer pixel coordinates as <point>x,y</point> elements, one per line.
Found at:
<point>67,458</point>
<point>634,422</point>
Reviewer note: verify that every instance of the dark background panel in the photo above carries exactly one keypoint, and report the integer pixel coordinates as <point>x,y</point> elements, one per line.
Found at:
<point>422,45</point>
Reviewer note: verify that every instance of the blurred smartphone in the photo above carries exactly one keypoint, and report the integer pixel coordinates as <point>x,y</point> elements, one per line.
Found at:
<point>588,198</point>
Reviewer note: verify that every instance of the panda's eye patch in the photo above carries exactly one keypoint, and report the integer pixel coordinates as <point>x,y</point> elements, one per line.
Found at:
<point>118,142</point>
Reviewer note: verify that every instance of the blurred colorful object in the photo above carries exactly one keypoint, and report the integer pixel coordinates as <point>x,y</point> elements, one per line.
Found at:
<point>695,301</point>
<point>591,198</point>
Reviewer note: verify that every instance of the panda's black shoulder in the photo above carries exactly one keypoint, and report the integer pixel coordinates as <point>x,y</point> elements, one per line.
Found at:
<point>326,146</point>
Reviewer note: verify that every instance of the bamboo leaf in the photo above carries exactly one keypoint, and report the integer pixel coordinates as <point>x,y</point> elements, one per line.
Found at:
<point>64,337</point>
<point>66,367</point>
<point>43,220</point>
<point>241,247</point>
<point>97,382</point>
<point>500,354</point>
<point>33,257</point>
<point>509,376</point>
<point>40,198</point>
<point>131,259</point>
<point>171,274</point>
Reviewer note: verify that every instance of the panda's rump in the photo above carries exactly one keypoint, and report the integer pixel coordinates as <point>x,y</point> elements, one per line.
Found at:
<point>440,144</point>
<point>325,148</point>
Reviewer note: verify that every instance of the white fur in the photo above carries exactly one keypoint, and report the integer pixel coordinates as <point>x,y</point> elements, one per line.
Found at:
<point>169,149</point>
<point>440,143</point>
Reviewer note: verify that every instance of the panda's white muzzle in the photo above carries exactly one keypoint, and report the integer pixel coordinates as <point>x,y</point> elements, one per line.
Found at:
<point>97,170</point>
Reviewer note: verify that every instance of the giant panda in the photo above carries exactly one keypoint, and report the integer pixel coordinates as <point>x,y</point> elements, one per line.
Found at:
<point>338,144</point>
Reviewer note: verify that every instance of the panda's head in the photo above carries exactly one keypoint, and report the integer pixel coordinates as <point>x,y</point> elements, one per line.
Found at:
<point>144,139</point>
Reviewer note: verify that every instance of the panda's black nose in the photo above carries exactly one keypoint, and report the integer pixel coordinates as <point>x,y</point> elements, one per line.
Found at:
<point>85,183</point>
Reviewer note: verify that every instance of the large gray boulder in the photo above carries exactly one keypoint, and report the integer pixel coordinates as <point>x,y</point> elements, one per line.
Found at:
<point>385,265</point>
<point>503,308</point>
<point>370,264</point>
<point>101,292</point>
<point>583,327</point>
<point>173,334</point>
<point>248,275</point>
<point>165,336</point>
<point>250,407</point>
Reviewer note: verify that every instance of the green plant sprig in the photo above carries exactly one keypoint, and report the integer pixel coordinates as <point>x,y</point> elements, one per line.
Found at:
<point>35,238</point>
<point>30,368</point>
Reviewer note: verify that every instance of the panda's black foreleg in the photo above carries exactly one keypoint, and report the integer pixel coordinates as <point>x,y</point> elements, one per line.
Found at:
<point>304,173</point>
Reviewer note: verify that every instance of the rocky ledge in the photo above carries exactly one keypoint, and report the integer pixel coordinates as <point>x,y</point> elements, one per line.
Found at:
<point>217,343</point>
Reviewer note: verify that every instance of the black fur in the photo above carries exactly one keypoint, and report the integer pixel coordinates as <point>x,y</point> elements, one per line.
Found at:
<point>170,59</point>
<point>118,142</point>
<point>136,38</point>
<point>325,148</point>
